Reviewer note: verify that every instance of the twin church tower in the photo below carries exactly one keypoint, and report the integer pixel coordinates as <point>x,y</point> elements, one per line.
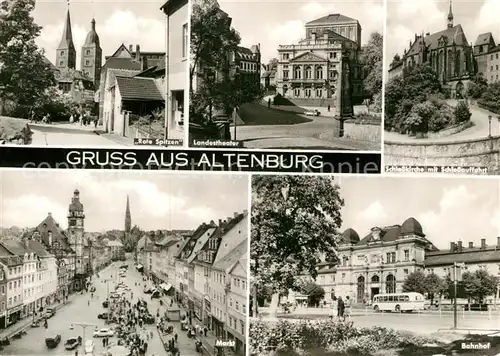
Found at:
<point>91,59</point>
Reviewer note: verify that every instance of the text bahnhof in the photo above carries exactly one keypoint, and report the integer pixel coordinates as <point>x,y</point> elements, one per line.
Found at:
<point>236,160</point>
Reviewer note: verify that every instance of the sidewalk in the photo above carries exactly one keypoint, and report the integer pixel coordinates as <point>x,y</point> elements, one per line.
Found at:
<point>26,322</point>
<point>121,140</point>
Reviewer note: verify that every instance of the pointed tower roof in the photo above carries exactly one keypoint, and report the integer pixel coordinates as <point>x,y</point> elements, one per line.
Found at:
<point>67,36</point>
<point>92,37</point>
<point>450,16</point>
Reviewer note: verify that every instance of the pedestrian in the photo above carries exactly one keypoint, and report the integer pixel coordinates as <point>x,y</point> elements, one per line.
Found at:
<point>151,333</point>
<point>340,308</point>
<point>88,303</point>
<point>205,330</point>
<point>334,308</point>
<point>269,103</point>
<point>76,353</point>
<point>176,337</point>
<point>347,308</point>
<point>103,342</point>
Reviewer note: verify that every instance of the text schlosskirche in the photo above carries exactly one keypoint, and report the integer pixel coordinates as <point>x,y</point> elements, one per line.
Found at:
<point>178,160</point>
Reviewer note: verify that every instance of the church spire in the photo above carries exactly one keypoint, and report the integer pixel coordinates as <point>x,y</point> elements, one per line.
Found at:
<point>67,36</point>
<point>450,17</point>
<point>128,218</point>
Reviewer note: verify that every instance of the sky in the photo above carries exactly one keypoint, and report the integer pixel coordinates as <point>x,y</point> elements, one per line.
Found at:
<point>407,17</point>
<point>117,22</point>
<point>158,200</point>
<point>449,209</point>
<point>272,23</point>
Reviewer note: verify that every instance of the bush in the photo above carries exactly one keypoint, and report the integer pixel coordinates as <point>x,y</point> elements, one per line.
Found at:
<point>325,335</point>
<point>442,118</point>
<point>462,112</point>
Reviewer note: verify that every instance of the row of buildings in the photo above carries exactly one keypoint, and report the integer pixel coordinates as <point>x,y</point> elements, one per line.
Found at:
<point>206,270</point>
<point>130,83</point>
<point>381,260</point>
<point>48,263</point>
<point>452,57</point>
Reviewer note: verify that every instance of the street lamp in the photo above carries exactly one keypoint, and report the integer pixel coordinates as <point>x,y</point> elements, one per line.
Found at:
<point>489,125</point>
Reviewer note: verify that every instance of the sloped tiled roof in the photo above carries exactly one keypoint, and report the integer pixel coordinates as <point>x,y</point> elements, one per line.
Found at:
<point>115,243</point>
<point>228,261</point>
<point>453,34</point>
<point>137,88</point>
<point>389,234</point>
<point>331,19</point>
<point>15,247</point>
<point>483,38</point>
<point>122,63</point>
<point>188,248</point>
<point>48,62</point>
<point>468,255</point>
<point>57,233</point>
<point>244,53</point>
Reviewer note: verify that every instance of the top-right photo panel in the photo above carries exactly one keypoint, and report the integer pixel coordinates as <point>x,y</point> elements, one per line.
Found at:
<point>442,88</point>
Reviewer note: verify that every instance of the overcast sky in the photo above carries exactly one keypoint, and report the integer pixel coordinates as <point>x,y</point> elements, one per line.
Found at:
<point>272,23</point>
<point>448,209</point>
<point>158,200</point>
<point>407,17</point>
<point>117,22</point>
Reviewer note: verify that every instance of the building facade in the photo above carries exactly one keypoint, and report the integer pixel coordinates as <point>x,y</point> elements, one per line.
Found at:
<point>309,72</point>
<point>92,56</point>
<point>176,66</point>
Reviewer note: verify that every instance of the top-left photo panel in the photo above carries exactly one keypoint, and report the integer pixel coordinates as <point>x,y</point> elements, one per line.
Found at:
<point>94,73</point>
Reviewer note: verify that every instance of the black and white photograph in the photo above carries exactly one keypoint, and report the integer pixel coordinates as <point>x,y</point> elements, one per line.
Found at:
<point>442,87</point>
<point>122,264</point>
<point>93,73</point>
<point>308,76</point>
<point>359,265</point>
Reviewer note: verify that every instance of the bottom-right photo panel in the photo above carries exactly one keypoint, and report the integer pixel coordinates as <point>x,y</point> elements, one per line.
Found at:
<point>358,265</point>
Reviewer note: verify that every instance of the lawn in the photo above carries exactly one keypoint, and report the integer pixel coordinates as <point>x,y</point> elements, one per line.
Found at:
<point>256,114</point>
<point>9,126</point>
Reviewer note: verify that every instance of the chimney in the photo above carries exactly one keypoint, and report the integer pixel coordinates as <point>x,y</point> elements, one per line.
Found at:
<point>220,222</point>
<point>483,243</point>
<point>498,241</point>
<point>229,219</point>
<point>452,246</point>
<point>460,246</point>
<point>428,34</point>
<point>245,212</point>
<point>49,214</point>
<point>50,238</point>
<point>471,244</point>
<point>130,48</point>
<point>137,53</point>
<point>212,222</point>
<point>236,214</point>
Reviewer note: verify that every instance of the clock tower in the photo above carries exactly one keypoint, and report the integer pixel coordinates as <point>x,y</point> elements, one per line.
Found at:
<point>76,219</point>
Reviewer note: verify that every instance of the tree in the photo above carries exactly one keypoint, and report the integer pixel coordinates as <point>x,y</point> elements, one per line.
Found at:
<point>434,285</point>
<point>295,220</point>
<point>314,292</point>
<point>212,38</point>
<point>415,282</point>
<point>24,72</point>
<point>491,98</point>
<point>477,87</point>
<point>372,63</point>
<point>273,64</point>
<point>479,284</point>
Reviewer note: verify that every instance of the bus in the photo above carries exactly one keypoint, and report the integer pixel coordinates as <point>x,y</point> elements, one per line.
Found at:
<point>399,302</point>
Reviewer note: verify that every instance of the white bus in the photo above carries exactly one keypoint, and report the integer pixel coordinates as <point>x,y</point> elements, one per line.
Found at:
<point>399,302</point>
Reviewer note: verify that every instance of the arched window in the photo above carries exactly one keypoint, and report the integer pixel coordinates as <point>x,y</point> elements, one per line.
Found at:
<point>375,279</point>
<point>450,64</point>
<point>319,73</point>
<point>297,73</point>
<point>390,284</point>
<point>458,61</point>
<point>360,289</point>
<point>308,73</point>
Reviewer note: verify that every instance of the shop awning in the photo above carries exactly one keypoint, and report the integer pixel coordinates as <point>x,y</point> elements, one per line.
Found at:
<point>166,286</point>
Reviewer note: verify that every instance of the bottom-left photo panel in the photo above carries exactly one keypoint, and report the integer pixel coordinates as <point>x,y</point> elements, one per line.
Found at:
<point>123,263</point>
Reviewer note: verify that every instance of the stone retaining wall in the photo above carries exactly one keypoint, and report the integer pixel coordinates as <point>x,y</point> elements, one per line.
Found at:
<point>371,133</point>
<point>483,152</point>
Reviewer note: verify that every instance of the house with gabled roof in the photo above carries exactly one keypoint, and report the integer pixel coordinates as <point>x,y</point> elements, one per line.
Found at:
<point>228,235</point>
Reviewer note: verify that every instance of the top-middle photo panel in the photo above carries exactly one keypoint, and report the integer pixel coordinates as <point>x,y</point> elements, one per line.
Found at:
<point>286,74</point>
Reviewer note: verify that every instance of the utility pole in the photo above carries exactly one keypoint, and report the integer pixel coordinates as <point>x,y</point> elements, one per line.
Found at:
<point>457,277</point>
<point>84,326</point>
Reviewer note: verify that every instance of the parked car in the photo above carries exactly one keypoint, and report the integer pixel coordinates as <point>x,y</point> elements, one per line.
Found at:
<point>103,316</point>
<point>49,313</point>
<point>312,113</point>
<point>53,341</point>
<point>105,332</point>
<point>149,319</point>
<point>148,290</point>
<point>89,347</point>
<point>114,295</point>
<point>72,343</point>
<point>155,294</point>
<point>105,304</point>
